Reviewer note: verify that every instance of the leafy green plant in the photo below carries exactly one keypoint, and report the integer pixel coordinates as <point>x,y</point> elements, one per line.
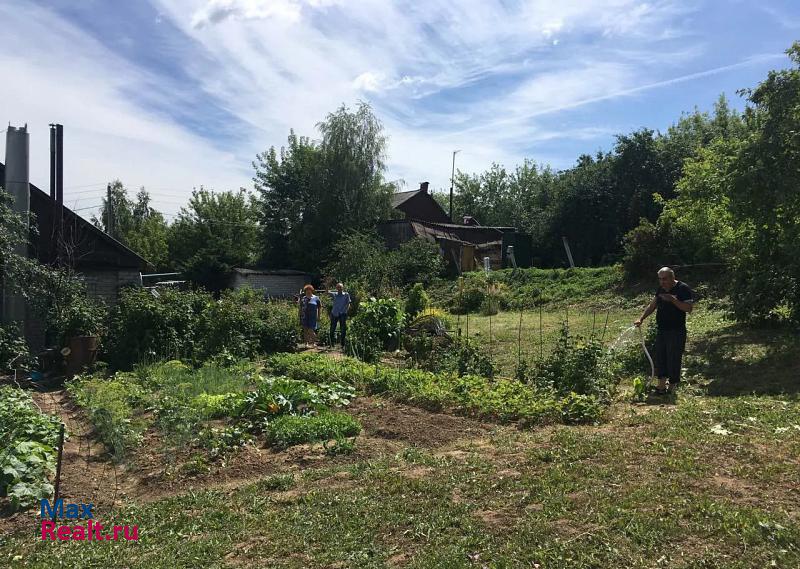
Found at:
<point>111,406</point>
<point>28,455</point>
<point>220,442</point>
<point>13,348</point>
<point>81,317</point>
<point>576,365</point>
<point>291,430</point>
<point>462,356</point>
<point>149,326</point>
<point>243,324</point>
<point>577,408</point>
<point>218,406</point>
<point>416,300</point>
<point>376,327</point>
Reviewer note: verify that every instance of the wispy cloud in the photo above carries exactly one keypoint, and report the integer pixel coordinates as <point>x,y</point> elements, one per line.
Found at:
<point>173,93</point>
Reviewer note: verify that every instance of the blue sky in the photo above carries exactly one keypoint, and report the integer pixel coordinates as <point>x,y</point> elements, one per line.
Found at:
<point>175,94</point>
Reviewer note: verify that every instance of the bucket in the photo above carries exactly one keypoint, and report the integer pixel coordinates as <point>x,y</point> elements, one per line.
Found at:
<point>82,353</point>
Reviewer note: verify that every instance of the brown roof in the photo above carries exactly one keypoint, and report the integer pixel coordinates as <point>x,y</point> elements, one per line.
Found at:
<point>400,198</point>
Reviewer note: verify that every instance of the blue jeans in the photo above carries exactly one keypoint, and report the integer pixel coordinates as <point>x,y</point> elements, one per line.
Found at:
<point>342,320</point>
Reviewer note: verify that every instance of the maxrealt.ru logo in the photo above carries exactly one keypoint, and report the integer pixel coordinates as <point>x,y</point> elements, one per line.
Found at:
<point>90,531</point>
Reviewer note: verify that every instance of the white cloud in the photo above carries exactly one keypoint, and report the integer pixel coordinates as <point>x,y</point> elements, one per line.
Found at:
<point>482,76</point>
<point>67,78</point>
<point>369,81</point>
<point>216,11</point>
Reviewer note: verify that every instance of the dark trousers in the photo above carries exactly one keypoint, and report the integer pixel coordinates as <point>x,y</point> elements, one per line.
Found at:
<point>342,320</point>
<point>669,353</point>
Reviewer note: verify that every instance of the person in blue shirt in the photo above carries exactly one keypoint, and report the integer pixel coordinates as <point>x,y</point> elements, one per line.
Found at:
<point>341,305</point>
<point>310,310</point>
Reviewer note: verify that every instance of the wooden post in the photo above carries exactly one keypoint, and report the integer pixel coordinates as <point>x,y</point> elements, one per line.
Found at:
<point>58,468</point>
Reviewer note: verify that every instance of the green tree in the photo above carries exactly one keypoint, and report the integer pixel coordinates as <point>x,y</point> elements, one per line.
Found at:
<point>765,200</point>
<point>311,193</point>
<point>136,224</point>
<point>213,234</point>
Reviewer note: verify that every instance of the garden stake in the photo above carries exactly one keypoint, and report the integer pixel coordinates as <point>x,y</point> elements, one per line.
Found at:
<point>541,339</point>
<point>603,337</point>
<point>594,319</point>
<point>519,340</point>
<point>58,466</point>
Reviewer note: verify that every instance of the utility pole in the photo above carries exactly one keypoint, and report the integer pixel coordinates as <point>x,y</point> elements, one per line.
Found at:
<point>109,212</point>
<point>452,183</point>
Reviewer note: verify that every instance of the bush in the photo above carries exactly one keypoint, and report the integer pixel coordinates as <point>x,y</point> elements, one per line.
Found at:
<point>13,348</point>
<point>194,327</point>
<point>416,300</point>
<point>154,326</point>
<point>291,430</point>
<point>583,367</point>
<point>363,258</point>
<point>243,325</point>
<point>461,356</point>
<point>417,260</point>
<point>375,328</point>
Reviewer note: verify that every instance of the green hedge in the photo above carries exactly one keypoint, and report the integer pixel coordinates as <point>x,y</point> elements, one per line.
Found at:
<point>193,327</point>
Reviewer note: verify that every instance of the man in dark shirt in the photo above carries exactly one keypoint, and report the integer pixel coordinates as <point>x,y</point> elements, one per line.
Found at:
<point>673,300</point>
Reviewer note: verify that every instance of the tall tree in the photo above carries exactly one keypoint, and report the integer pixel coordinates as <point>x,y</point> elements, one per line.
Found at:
<point>313,192</point>
<point>212,235</point>
<point>136,224</point>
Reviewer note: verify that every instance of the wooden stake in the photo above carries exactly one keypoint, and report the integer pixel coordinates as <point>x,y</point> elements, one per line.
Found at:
<point>58,468</point>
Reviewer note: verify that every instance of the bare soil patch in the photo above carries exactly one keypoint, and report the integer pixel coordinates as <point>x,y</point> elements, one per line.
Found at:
<point>396,421</point>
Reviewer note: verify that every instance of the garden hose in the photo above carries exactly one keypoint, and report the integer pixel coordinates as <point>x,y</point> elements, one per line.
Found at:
<point>644,348</point>
<point>646,353</point>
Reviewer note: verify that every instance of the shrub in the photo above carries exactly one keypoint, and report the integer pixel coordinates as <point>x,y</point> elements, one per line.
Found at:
<point>291,430</point>
<point>191,325</point>
<point>416,300</point>
<point>461,356</point>
<point>416,260</point>
<point>243,324</point>
<point>583,367</point>
<point>153,326</point>
<point>13,348</point>
<point>376,327</point>
<point>363,258</point>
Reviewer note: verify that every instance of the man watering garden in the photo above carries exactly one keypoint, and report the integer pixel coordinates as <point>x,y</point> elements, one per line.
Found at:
<point>673,300</point>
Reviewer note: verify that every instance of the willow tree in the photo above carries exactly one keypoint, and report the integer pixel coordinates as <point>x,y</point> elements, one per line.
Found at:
<point>312,192</point>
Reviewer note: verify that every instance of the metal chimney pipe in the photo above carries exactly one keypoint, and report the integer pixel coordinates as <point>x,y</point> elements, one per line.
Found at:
<point>17,184</point>
<point>60,164</point>
<point>52,162</point>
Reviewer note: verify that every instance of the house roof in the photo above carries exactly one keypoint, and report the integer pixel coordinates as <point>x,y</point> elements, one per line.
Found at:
<point>400,198</point>
<point>42,206</point>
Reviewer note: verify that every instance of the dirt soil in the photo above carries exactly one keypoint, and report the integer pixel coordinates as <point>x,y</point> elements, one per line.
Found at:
<point>89,475</point>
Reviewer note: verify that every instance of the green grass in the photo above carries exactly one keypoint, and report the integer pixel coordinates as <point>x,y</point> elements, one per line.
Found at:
<point>707,480</point>
<point>654,491</point>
